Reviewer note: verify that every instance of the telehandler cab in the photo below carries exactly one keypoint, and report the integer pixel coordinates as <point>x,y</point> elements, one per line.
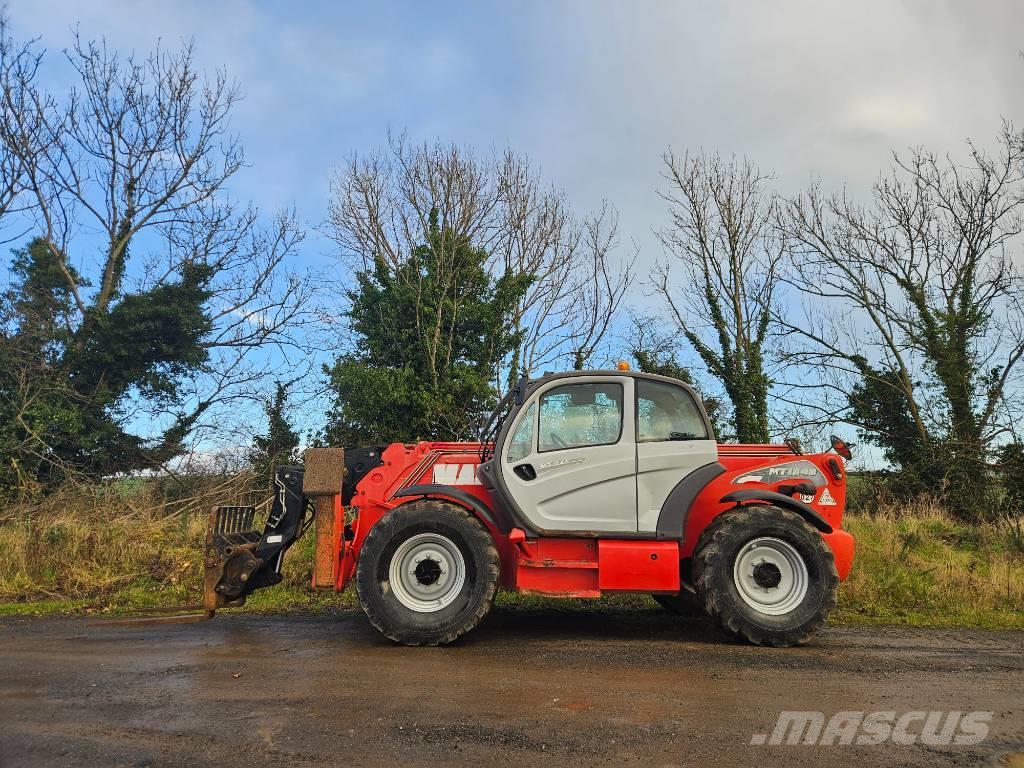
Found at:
<point>582,484</point>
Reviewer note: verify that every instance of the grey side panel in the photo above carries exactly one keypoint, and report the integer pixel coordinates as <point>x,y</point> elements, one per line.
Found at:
<point>456,494</point>
<point>672,518</point>
<point>506,513</point>
<point>807,512</point>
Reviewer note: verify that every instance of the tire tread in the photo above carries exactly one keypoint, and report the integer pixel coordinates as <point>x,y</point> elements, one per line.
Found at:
<point>710,553</point>
<point>385,529</point>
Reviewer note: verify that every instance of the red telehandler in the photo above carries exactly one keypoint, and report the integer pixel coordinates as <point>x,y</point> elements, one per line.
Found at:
<point>583,483</point>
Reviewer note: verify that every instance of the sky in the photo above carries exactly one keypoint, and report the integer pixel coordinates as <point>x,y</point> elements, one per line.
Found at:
<point>593,92</point>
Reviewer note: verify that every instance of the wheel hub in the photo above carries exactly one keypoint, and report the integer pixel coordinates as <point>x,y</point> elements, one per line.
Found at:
<point>427,572</point>
<point>767,575</point>
<point>771,576</point>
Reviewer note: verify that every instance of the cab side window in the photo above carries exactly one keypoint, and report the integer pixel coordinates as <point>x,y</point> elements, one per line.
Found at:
<point>578,415</point>
<point>521,443</point>
<point>666,412</point>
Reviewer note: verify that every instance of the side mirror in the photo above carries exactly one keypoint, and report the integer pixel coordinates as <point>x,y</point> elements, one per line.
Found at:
<point>841,447</point>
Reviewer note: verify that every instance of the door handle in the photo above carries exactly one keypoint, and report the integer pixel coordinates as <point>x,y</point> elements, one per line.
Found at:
<point>525,471</point>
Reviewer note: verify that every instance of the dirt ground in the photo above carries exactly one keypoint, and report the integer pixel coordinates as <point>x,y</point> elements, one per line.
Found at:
<point>563,687</point>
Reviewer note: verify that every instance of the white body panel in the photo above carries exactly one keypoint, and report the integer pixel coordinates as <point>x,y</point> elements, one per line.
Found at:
<point>591,487</point>
<point>660,467</point>
<point>572,464</point>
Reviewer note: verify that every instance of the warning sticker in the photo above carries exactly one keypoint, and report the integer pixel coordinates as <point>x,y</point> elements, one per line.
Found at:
<point>826,499</point>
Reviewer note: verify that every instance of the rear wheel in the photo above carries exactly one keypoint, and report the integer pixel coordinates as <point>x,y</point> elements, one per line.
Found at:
<point>427,573</point>
<point>766,575</point>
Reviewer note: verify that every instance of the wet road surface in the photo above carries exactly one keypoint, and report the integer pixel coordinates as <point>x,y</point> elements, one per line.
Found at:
<point>567,687</point>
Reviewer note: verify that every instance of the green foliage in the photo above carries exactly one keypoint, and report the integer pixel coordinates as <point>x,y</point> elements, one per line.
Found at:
<point>879,405</point>
<point>1010,466</point>
<point>740,368</point>
<point>281,442</point>
<point>430,334</point>
<point>927,461</point>
<point>39,303</point>
<point>147,340</point>
<point>66,375</point>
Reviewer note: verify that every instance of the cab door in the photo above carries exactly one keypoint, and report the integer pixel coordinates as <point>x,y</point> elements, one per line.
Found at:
<point>672,440</point>
<point>570,462</point>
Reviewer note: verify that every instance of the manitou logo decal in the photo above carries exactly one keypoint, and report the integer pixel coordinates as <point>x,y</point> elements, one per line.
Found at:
<point>455,474</point>
<point>826,499</point>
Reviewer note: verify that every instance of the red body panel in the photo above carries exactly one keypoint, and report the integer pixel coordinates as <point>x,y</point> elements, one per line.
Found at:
<point>555,568</point>
<point>746,461</point>
<point>587,567</point>
<point>842,545</point>
<point>638,566</point>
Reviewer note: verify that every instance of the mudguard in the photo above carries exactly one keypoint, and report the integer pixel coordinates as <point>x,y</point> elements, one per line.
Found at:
<point>807,512</point>
<point>672,519</point>
<point>452,493</point>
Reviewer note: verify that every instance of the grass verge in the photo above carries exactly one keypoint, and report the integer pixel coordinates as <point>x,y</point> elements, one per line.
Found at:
<point>915,565</point>
<point>111,552</point>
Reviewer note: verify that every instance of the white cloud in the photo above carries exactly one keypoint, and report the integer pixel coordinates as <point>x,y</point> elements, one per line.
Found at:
<point>594,92</point>
<point>885,116</point>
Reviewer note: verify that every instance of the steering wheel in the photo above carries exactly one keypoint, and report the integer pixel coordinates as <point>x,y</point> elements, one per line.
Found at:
<point>557,440</point>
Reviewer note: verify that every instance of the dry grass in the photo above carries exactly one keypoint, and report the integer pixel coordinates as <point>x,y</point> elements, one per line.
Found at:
<point>124,545</point>
<point>917,565</point>
<point>138,544</point>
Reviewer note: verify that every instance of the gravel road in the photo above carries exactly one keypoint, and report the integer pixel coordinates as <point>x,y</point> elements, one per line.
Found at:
<point>572,687</point>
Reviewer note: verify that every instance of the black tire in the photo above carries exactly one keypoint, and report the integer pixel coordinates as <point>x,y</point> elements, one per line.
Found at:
<point>468,604</point>
<point>726,539</point>
<point>683,604</point>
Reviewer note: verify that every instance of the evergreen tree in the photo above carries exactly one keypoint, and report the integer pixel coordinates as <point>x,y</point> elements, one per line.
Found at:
<point>430,333</point>
<point>126,322</point>
<point>281,442</point>
<point>64,381</point>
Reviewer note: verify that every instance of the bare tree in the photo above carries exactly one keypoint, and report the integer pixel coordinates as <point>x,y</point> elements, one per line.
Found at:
<point>721,236</point>
<point>539,237</point>
<point>599,290</point>
<point>384,206</point>
<point>408,214</point>
<point>921,326</point>
<point>124,181</point>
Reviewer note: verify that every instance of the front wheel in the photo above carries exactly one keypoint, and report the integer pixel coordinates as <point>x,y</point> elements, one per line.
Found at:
<point>427,573</point>
<point>766,575</point>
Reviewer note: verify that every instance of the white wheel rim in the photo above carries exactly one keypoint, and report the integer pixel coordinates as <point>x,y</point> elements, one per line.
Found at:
<point>771,576</point>
<point>427,572</point>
